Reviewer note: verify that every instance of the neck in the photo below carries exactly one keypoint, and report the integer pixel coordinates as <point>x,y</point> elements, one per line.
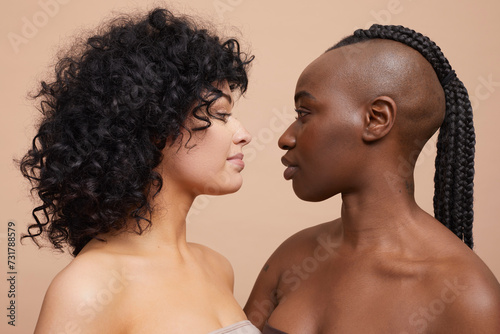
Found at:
<point>167,232</point>
<point>170,210</point>
<point>380,214</point>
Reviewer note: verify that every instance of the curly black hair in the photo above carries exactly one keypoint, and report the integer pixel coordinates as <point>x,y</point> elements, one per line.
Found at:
<point>112,107</point>
<point>454,176</point>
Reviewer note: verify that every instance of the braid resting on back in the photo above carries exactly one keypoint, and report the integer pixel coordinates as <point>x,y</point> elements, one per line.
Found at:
<point>454,176</point>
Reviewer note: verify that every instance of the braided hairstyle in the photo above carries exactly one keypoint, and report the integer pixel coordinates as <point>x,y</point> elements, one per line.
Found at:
<point>454,176</point>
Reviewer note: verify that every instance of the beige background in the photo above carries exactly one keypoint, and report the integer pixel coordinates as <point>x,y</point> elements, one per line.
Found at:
<point>285,36</point>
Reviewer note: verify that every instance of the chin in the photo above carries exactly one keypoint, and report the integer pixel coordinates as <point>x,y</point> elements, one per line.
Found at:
<point>225,191</point>
<point>306,194</point>
<point>225,188</point>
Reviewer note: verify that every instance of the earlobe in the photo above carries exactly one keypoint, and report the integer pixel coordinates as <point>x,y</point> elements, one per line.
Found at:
<point>379,118</point>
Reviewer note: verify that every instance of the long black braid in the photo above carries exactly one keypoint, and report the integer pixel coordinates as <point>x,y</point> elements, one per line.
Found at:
<point>454,177</point>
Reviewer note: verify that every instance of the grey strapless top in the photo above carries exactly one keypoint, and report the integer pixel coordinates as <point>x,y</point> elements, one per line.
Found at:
<point>242,327</point>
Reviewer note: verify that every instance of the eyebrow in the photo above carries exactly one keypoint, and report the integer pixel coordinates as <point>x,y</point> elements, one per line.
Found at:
<point>303,93</point>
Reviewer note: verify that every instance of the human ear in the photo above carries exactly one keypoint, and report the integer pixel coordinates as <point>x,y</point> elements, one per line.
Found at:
<point>379,118</point>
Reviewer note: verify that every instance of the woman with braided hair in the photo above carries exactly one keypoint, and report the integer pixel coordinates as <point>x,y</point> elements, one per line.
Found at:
<point>365,108</point>
<point>136,124</point>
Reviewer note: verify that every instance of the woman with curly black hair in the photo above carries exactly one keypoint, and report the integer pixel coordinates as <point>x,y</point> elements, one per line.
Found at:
<point>365,108</point>
<point>136,124</point>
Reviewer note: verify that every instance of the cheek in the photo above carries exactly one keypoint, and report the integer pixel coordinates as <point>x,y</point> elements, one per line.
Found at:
<point>204,160</point>
<point>328,156</point>
<point>327,145</point>
<point>211,146</point>
<point>204,168</point>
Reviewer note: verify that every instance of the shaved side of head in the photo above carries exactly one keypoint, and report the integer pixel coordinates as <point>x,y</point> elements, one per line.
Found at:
<point>380,67</point>
<point>400,63</point>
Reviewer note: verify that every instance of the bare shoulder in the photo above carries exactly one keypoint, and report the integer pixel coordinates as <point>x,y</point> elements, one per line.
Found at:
<point>316,241</point>
<point>480,297</point>
<point>470,294</point>
<point>312,241</point>
<point>308,242</point>
<point>82,297</point>
<point>217,261</point>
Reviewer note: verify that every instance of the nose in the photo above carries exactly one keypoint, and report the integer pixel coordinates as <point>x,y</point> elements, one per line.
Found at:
<point>287,140</point>
<point>241,135</point>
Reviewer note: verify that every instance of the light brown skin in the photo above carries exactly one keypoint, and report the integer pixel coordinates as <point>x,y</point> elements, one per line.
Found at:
<point>385,266</point>
<point>157,282</point>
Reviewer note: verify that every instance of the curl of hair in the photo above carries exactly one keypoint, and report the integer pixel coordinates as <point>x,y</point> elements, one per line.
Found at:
<point>108,114</point>
<point>454,176</point>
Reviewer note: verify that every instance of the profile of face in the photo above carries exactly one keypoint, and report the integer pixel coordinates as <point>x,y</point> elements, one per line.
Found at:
<point>324,145</point>
<point>213,159</point>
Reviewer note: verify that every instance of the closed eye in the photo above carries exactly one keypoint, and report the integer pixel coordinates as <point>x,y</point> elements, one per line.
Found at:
<point>222,116</point>
<point>301,113</point>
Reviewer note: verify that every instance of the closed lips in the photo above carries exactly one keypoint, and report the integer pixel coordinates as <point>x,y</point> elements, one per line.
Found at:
<point>237,159</point>
<point>290,168</point>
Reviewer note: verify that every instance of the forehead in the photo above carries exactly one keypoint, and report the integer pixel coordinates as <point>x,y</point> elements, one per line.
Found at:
<point>365,68</point>
<point>328,72</point>
<point>223,86</point>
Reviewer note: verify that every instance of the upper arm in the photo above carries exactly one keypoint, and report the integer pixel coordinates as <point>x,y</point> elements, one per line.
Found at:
<point>479,310</point>
<point>265,294</point>
<point>79,302</point>
<point>476,308</point>
<point>263,298</point>
<point>56,315</point>
<point>268,290</point>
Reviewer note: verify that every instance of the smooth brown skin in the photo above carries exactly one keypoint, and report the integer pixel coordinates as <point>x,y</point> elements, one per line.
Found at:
<point>385,266</point>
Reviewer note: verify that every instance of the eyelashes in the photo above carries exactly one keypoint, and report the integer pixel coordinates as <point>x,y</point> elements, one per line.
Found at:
<point>300,113</point>
<point>223,116</point>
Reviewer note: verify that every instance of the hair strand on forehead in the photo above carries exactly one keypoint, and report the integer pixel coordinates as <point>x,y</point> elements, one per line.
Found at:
<point>116,100</point>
